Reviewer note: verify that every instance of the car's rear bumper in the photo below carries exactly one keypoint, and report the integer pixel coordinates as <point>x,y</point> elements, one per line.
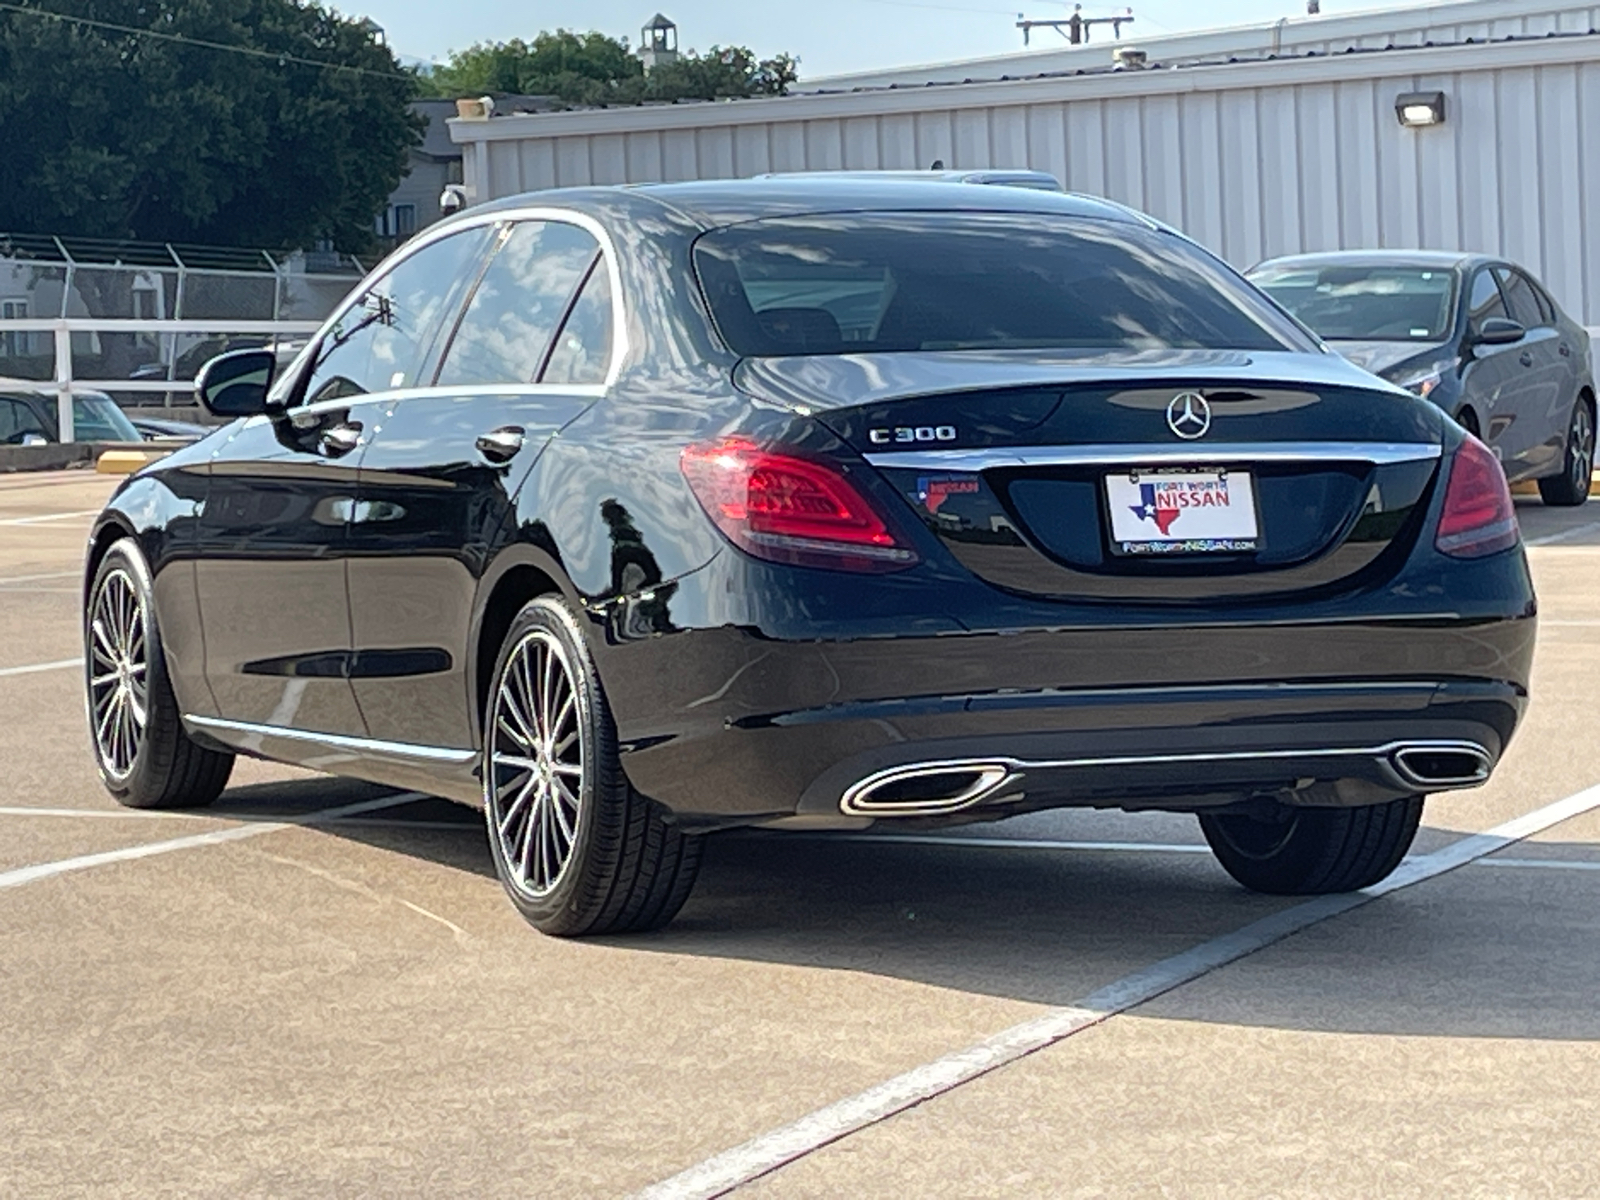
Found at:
<point>733,715</point>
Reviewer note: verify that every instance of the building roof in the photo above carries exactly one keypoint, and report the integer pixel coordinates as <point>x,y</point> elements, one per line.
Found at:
<point>1392,28</point>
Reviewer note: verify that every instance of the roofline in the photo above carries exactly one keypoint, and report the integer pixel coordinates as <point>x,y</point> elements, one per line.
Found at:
<point>1222,40</point>
<point>1343,67</point>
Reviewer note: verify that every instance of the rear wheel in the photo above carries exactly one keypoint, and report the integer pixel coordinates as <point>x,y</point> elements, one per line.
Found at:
<point>1571,487</point>
<point>576,848</point>
<point>146,758</point>
<point>1292,851</point>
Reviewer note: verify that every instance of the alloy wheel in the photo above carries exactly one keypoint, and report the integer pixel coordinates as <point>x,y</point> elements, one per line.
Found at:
<point>1580,448</point>
<point>535,781</point>
<point>119,675</point>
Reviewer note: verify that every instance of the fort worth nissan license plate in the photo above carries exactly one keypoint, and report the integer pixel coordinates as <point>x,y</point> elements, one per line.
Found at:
<point>1182,512</point>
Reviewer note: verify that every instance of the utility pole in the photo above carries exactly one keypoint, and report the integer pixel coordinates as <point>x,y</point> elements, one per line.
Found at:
<point>1076,27</point>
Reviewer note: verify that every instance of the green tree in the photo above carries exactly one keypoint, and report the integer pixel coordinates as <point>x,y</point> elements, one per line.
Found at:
<point>592,68</point>
<point>131,133</point>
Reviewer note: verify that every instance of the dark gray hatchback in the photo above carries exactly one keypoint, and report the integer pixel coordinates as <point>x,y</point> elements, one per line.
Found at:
<point>1478,336</point>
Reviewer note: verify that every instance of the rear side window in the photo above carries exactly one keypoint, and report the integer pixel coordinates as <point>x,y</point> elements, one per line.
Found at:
<point>17,420</point>
<point>381,342</point>
<point>877,282</point>
<point>523,295</point>
<point>1521,299</point>
<point>582,352</point>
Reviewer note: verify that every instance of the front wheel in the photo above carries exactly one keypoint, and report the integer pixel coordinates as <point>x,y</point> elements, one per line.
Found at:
<point>1571,487</point>
<point>146,758</point>
<point>576,848</point>
<point>1292,851</point>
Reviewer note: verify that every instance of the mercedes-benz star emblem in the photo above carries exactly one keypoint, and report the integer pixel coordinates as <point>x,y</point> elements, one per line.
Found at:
<point>1189,416</point>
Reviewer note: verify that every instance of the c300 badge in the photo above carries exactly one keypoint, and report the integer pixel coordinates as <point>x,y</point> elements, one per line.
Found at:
<point>905,434</point>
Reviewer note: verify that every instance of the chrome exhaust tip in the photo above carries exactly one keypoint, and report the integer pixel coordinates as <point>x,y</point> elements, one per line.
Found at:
<point>1443,764</point>
<point>925,789</point>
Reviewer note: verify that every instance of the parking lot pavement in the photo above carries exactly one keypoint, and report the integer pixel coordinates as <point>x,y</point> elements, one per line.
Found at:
<point>353,1007</point>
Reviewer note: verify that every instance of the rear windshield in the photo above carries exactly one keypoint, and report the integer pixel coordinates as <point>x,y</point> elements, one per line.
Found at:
<point>881,282</point>
<point>1366,304</point>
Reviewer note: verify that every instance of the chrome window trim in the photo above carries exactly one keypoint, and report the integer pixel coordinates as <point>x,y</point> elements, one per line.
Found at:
<point>1133,454</point>
<point>505,216</point>
<point>337,741</point>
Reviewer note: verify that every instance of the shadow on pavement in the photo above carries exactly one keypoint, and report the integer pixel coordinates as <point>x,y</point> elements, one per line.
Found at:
<point>1492,952</point>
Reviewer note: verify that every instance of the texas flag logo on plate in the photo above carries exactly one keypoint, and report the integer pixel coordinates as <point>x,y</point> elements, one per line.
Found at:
<point>1182,512</point>
<point>1160,507</point>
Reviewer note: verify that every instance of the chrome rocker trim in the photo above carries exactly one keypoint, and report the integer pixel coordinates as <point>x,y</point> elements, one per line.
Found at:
<point>371,747</point>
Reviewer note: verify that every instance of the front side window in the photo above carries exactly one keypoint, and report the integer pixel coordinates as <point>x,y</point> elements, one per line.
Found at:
<point>381,341</point>
<point>1520,299</point>
<point>1367,303</point>
<point>18,420</point>
<point>518,305</point>
<point>583,347</point>
<point>1485,301</point>
<point>891,281</point>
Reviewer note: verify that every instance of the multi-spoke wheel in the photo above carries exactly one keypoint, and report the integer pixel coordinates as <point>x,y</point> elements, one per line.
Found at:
<point>119,704</point>
<point>537,763</point>
<point>146,758</point>
<point>1571,487</point>
<point>578,850</point>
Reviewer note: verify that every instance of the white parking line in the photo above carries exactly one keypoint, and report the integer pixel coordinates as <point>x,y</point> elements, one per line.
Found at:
<point>766,1153</point>
<point>7,581</point>
<point>31,668</point>
<point>1546,864</point>
<point>137,814</point>
<point>1550,539</point>
<point>23,875</point>
<point>48,517</point>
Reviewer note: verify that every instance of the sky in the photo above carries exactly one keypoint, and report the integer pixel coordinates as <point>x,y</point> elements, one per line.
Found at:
<point>828,36</point>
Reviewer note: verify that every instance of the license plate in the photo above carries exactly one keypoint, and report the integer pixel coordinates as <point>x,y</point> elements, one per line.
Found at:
<point>1182,512</point>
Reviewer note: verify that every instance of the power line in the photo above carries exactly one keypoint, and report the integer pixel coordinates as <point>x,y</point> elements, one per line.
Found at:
<point>200,43</point>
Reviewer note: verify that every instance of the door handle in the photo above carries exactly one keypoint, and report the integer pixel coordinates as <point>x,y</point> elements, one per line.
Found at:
<point>501,445</point>
<point>1525,359</point>
<point>339,440</point>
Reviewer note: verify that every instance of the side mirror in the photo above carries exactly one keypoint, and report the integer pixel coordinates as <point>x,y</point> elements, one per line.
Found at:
<point>235,384</point>
<point>1498,331</point>
<point>34,439</point>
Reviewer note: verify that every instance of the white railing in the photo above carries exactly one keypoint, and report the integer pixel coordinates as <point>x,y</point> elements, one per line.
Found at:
<point>61,330</point>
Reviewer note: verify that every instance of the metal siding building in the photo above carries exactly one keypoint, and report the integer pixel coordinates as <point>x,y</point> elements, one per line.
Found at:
<point>1253,159</point>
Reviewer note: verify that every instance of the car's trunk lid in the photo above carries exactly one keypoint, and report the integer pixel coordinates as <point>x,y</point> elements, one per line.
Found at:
<point>1065,477</point>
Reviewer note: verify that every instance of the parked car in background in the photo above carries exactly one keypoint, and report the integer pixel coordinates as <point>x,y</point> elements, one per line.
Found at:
<point>160,429</point>
<point>1478,336</point>
<point>629,514</point>
<point>30,416</point>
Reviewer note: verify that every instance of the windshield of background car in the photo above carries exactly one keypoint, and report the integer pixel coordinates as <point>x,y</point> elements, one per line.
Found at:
<point>97,419</point>
<point>1366,304</point>
<point>862,283</point>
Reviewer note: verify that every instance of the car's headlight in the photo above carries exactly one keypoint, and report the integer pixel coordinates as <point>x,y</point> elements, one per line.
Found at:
<point>1424,383</point>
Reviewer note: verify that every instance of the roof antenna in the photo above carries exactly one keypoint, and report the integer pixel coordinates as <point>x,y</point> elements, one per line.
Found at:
<point>938,165</point>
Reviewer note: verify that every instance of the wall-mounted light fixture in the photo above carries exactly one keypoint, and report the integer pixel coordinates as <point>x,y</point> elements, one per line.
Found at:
<point>1416,109</point>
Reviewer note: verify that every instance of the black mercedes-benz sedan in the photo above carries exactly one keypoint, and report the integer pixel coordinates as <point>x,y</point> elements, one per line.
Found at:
<point>1479,337</point>
<point>630,514</point>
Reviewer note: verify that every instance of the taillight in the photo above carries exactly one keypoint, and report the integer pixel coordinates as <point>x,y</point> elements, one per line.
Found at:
<point>1478,517</point>
<point>789,509</point>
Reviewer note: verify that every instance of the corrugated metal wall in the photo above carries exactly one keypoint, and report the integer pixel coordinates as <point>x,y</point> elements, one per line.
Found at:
<point>1253,160</point>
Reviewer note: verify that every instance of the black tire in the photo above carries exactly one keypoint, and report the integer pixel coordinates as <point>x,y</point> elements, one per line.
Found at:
<point>154,764</point>
<point>1571,487</point>
<point>627,866</point>
<point>1312,851</point>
